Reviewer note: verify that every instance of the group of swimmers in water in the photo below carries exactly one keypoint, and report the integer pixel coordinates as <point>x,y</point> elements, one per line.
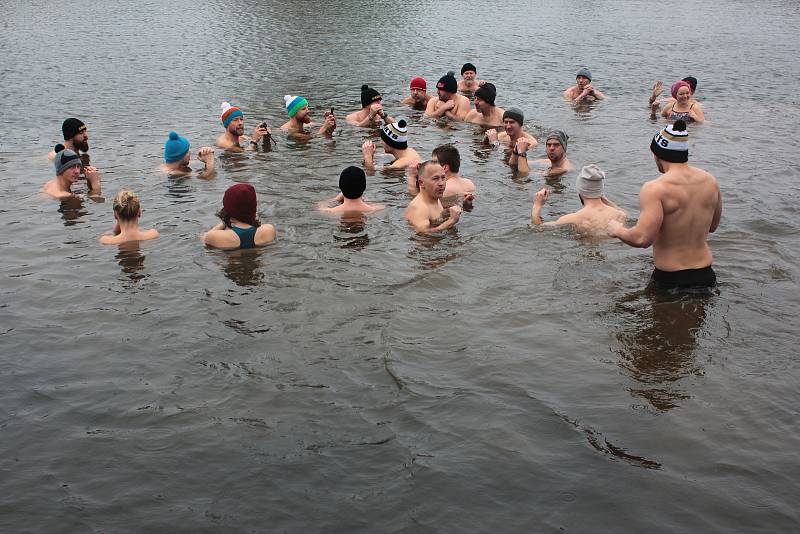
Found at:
<point>677,210</point>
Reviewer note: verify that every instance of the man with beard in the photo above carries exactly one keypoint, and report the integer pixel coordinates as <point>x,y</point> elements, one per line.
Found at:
<point>68,171</point>
<point>371,114</point>
<point>233,139</point>
<point>425,212</point>
<point>394,138</point>
<point>556,151</point>
<point>677,212</point>
<point>468,82</point>
<point>448,102</point>
<point>583,91</point>
<point>299,117</point>
<point>76,139</point>
<point>419,97</point>
<point>177,157</point>
<point>485,112</point>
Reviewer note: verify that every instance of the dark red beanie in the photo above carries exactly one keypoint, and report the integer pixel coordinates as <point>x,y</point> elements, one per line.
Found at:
<point>240,203</point>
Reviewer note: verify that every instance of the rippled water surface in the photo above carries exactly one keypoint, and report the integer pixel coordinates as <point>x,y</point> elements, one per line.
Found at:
<point>354,377</point>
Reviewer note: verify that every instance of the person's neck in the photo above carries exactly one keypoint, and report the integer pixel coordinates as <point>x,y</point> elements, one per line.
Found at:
<point>559,162</point>
<point>450,175</point>
<point>296,124</point>
<point>670,166</point>
<point>64,184</point>
<point>518,136</point>
<point>232,137</point>
<point>175,165</point>
<point>128,226</point>
<point>69,145</point>
<point>397,153</point>
<point>488,111</point>
<point>237,222</point>
<point>593,203</point>
<point>353,203</point>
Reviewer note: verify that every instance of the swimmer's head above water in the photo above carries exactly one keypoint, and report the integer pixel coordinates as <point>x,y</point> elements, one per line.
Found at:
<point>447,86</point>
<point>395,135</point>
<point>176,148</point>
<point>369,96</point>
<point>589,183</point>
<point>297,108</point>
<point>485,96</point>
<point>671,144</point>
<point>232,119</point>
<point>74,131</point>
<point>353,182</point>
<point>513,119</point>
<point>126,206</point>
<point>239,202</point>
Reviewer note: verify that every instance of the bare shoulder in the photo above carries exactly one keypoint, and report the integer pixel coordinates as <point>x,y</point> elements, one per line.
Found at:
<point>266,233</point>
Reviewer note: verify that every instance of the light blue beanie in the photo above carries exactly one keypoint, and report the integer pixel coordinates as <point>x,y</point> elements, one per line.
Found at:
<point>175,148</point>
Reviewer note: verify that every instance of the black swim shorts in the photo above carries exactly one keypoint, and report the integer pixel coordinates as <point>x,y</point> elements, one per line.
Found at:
<point>686,278</point>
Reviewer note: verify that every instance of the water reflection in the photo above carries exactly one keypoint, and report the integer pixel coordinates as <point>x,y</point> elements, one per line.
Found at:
<point>432,251</point>
<point>243,267</point>
<point>71,210</point>
<point>658,337</point>
<point>179,186</point>
<point>131,260</point>
<point>353,226</point>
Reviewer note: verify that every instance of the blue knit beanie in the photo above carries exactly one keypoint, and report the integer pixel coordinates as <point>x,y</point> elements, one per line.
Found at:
<point>175,148</point>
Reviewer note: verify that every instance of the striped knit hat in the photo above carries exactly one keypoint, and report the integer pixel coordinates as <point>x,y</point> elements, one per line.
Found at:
<point>294,104</point>
<point>395,135</point>
<point>229,113</point>
<point>672,143</point>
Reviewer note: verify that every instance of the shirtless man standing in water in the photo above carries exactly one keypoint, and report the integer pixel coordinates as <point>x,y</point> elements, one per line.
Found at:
<point>232,140</point>
<point>677,212</point>
<point>425,212</point>
<point>597,210</point>
<point>448,102</point>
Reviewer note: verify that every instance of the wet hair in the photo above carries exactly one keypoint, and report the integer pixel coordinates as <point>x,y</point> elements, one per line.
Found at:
<point>226,218</point>
<point>448,155</point>
<point>126,206</point>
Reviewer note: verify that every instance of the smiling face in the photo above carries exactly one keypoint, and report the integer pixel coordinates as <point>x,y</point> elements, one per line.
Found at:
<point>683,95</point>
<point>72,174</point>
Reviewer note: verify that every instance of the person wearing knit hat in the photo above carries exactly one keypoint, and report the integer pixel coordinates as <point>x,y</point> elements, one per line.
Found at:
<point>394,138</point>
<point>177,157</point>
<point>448,102</point>
<point>425,212</point>
<point>597,210</point>
<point>300,117</point>
<point>514,137</point>
<point>68,171</point>
<point>371,114</point>
<point>468,82</point>
<point>682,106</point>
<point>678,211</point>
<point>234,139</point>
<point>419,97</point>
<point>655,103</point>
<point>352,183</point>
<point>127,212</point>
<point>485,112</point>
<point>583,90</point>
<point>556,152</point>
<point>76,137</point>
<point>240,227</point>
